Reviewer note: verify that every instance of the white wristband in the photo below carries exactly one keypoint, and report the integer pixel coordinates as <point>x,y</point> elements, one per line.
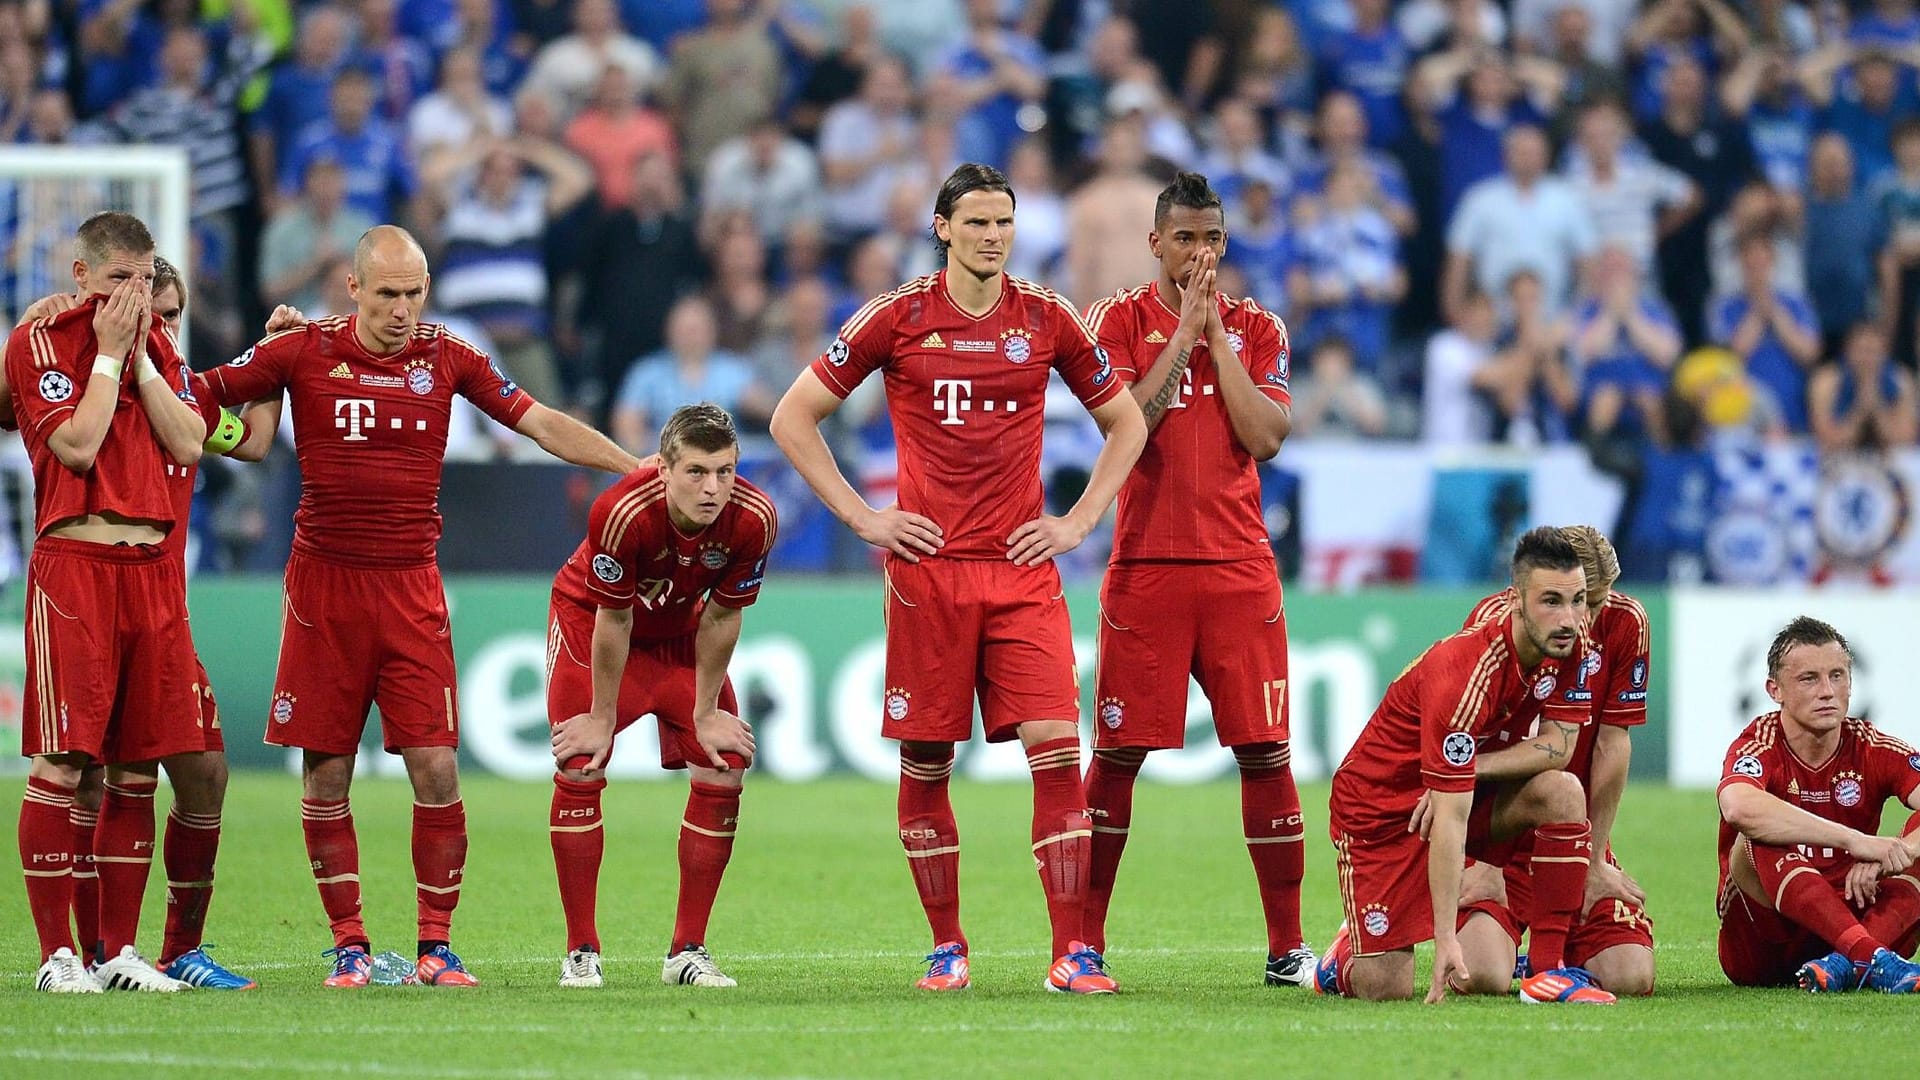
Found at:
<point>108,366</point>
<point>144,372</point>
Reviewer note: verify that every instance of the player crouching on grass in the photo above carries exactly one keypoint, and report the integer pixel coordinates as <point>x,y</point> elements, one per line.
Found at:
<point>1400,884</point>
<point>1809,892</point>
<point>684,542</point>
<point>199,780</point>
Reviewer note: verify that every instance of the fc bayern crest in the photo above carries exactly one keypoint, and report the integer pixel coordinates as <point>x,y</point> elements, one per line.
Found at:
<point>282,708</point>
<point>1111,713</point>
<point>1016,347</point>
<point>713,558</point>
<point>897,704</point>
<point>1375,920</point>
<point>1543,686</point>
<point>420,379</point>
<point>1235,341</point>
<point>1846,791</point>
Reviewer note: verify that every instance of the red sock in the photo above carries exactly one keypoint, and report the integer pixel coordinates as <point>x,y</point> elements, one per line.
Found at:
<point>932,840</point>
<point>86,879</point>
<point>1798,892</point>
<point>706,843</point>
<point>46,861</point>
<point>1276,839</point>
<point>439,860</point>
<point>1562,851</point>
<point>1110,806</point>
<point>1062,835</point>
<point>192,843</point>
<point>1341,955</point>
<point>334,853</point>
<point>574,826</point>
<point>123,855</point>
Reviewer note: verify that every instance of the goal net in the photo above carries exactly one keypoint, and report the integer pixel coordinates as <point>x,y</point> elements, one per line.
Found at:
<point>45,193</point>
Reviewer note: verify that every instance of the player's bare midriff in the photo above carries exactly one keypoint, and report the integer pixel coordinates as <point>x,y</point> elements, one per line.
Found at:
<point>107,529</point>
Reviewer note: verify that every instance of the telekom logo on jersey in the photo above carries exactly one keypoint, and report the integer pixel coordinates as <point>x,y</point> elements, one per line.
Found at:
<point>355,416</point>
<point>955,396</point>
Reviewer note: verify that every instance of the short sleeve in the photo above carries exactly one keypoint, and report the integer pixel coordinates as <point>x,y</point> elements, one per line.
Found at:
<point>46,383</point>
<point>1268,355</point>
<point>1896,766</point>
<point>1744,764</point>
<point>1080,359</point>
<point>613,542</point>
<point>479,379</point>
<point>864,346</point>
<point>1629,670</point>
<point>739,584</point>
<point>1108,319</point>
<point>261,372</point>
<point>1453,706</point>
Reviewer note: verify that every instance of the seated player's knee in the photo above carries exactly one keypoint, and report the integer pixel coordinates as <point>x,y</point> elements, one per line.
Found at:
<point>1624,970</point>
<point>1387,977</point>
<point>1558,797</point>
<point>1261,757</point>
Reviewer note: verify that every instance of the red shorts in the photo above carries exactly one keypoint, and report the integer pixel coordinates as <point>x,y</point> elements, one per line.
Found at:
<point>110,661</point>
<point>659,679</point>
<point>353,637</point>
<point>1761,947</point>
<point>1608,923</point>
<point>1220,622</point>
<point>1383,878</point>
<point>961,628</point>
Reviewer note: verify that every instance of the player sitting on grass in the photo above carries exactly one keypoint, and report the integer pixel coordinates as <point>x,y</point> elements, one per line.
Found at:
<point>1809,892</point>
<point>644,619</point>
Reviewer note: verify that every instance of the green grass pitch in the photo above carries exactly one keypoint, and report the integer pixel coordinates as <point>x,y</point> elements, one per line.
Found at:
<point>818,921</point>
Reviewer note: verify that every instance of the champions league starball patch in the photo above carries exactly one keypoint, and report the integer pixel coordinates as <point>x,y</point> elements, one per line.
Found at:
<point>55,387</point>
<point>1749,766</point>
<point>837,354</point>
<point>607,568</point>
<point>1457,748</point>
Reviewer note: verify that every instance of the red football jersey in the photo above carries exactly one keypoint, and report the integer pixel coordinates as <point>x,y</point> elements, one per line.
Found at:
<point>49,363</point>
<point>967,396</point>
<point>634,555</point>
<point>180,478</point>
<point>1852,788</point>
<point>1460,694</point>
<point>371,431</point>
<point>1195,493</point>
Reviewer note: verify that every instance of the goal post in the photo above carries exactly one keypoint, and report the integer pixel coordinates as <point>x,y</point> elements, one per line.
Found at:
<point>47,191</point>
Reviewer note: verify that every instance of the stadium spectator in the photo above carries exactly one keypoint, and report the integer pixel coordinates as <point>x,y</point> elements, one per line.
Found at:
<point>1898,197</point>
<point>1863,400</point>
<point>1478,97</point>
<point>1524,219</point>
<point>615,131</point>
<point>541,21</point>
<point>1537,27</point>
<point>506,46</point>
<point>724,78</point>
<point>689,369</point>
<point>659,22</point>
<point>1863,102</point>
<point>1341,137</point>
<point>1759,209</point>
<point>1844,235</point>
<point>304,238</point>
<point>1140,97</point>
<point>1275,74</point>
<point>740,298</point>
<point>1669,33</point>
<point>766,172</point>
<point>1260,249</point>
<point>401,66</point>
<point>1715,154</point>
<point>864,143</point>
<point>873,267</point>
<point>1890,24</point>
<point>1774,333</point>
<point>1429,25</point>
<point>1584,77</point>
<point>569,68</point>
<point>1739,412</point>
<point>993,79</point>
<point>379,178</point>
<point>906,225</point>
<point>1532,388</point>
<point>1043,215</point>
<point>458,111</point>
<point>1633,201</point>
<point>1626,341</point>
<point>1332,400</point>
<point>297,94</point>
<point>1346,275</point>
<point>490,240</point>
<point>835,73</point>
<point>1236,152</point>
<point>193,107</point>
<point>1764,94</point>
<point>1369,59</point>
<point>1104,252</point>
<point>638,259</point>
<point>796,334</point>
<point>49,119</point>
<point>1455,410</point>
<point>19,79</point>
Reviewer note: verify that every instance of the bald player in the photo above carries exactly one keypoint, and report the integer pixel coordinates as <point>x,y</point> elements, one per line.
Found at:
<point>365,617</point>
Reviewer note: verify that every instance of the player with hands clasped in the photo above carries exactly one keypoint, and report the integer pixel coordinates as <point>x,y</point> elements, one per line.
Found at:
<point>1192,588</point>
<point>973,600</point>
<point>644,619</point>
<point>1810,893</point>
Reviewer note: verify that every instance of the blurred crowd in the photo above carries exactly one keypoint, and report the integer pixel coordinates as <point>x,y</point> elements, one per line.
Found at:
<point>1641,226</point>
